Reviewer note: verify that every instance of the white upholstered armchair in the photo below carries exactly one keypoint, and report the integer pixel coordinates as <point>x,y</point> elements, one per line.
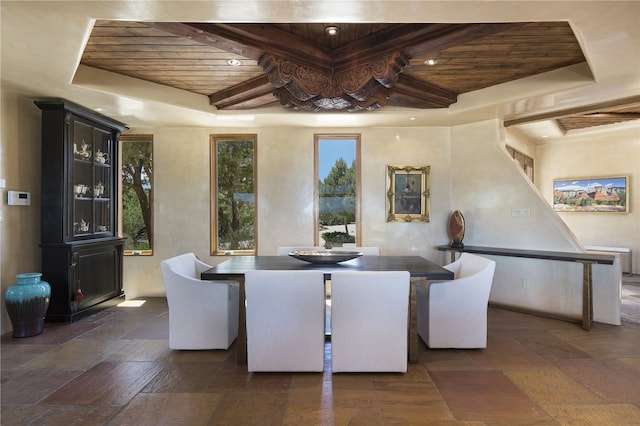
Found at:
<point>202,314</point>
<point>453,314</point>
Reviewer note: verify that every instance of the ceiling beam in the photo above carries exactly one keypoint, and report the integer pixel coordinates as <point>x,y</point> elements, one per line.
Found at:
<point>423,94</point>
<point>586,109</point>
<point>193,32</point>
<point>413,40</point>
<point>251,41</point>
<point>574,122</point>
<point>240,95</point>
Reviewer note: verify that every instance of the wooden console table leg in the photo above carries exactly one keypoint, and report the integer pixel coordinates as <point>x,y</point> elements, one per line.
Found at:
<point>587,295</point>
<point>242,325</point>
<point>413,323</point>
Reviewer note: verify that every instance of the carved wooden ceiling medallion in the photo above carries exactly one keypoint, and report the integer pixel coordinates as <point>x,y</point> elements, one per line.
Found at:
<point>363,86</point>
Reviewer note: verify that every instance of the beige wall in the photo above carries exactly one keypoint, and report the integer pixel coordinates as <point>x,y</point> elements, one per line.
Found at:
<point>469,171</point>
<point>606,154</point>
<point>20,167</point>
<point>487,185</point>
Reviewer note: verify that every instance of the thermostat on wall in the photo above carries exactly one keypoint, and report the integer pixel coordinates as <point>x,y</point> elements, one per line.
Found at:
<point>18,198</point>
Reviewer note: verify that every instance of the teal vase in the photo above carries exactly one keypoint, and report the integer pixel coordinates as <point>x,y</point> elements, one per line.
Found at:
<point>27,302</point>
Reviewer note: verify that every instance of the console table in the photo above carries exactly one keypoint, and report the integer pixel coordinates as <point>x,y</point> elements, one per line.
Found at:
<point>587,259</point>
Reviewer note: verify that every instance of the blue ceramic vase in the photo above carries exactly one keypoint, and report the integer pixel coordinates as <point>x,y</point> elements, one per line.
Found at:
<point>27,302</point>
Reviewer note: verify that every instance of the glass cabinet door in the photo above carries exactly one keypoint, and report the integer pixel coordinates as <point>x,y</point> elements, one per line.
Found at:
<point>102,190</point>
<point>92,182</point>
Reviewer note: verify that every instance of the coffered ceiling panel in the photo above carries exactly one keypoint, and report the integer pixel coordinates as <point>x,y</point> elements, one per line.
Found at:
<point>362,67</point>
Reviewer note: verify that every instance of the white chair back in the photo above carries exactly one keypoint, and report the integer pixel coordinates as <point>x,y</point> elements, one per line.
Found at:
<point>369,317</point>
<point>285,320</point>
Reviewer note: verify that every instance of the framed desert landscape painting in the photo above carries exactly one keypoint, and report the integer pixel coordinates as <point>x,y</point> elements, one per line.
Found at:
<point>608,194</point>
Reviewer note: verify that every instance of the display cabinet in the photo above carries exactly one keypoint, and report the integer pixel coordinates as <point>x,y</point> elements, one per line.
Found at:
<point>81,250</point>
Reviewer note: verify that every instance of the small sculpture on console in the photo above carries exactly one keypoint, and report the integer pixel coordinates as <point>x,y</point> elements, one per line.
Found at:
<point>456,229</point>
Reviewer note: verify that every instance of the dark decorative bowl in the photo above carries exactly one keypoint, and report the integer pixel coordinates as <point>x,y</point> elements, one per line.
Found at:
<point>325,256</point>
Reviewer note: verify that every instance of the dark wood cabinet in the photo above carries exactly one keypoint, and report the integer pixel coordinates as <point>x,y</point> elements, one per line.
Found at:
<point>81,250</point>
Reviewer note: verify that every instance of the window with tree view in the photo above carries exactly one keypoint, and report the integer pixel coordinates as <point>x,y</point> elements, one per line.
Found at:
<point>233,166</point>
<point>337,189</point>
<point>137,194</point>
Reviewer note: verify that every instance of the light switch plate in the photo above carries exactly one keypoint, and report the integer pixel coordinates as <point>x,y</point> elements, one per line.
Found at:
<point>18,198</point>
<point>521,212</point>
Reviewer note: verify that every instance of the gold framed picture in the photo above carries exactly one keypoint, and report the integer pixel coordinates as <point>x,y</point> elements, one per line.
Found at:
<point>408,193</point>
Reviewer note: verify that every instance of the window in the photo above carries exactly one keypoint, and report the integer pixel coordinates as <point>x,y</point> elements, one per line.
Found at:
<point>233,202</point>
<point>337,190</point>
<point>137,194</point>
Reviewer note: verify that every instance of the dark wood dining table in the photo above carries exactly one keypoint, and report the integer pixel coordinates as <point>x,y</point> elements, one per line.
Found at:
<point>419,269</point>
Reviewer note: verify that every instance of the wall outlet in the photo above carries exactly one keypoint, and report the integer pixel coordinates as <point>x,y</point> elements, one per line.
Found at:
<point>525,283</point>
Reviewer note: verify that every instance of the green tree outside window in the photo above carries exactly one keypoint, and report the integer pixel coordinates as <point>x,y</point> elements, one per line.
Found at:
<point>233,228</point>
<point>137,193</point>
<point>338,207</point>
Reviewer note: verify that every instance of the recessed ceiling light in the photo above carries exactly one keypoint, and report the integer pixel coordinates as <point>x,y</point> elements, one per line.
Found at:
<point>431,61</point>
<point>412,119</point>
<point>331,30</point>
<point>233,62</point>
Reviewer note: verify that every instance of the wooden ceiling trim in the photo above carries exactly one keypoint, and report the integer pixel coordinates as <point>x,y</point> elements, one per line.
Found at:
<point>457,36</point>
<point>271,39</point>
<point>627,103</point>
<point>575,122</point>
<point>413,40</point>
<point>251,41</point>
<point>377,100</point>
<point>423,93</point>
<point>186,65</point>
<point>347,32</point>
<point>195,32</point>
<point>254,87</point>
<point>154,52</point>
<point>256,102</point>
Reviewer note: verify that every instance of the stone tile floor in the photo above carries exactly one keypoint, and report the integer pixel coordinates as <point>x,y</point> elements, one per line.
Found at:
<point>115,368</point>
<point>631,299</point>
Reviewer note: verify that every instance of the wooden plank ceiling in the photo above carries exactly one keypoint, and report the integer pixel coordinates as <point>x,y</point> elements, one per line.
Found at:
<point>601,116</point>
<point>362,67</point>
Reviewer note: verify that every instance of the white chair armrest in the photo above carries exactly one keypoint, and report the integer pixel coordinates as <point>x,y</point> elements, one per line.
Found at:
<point>201,266</point>
<point>454,267</point>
